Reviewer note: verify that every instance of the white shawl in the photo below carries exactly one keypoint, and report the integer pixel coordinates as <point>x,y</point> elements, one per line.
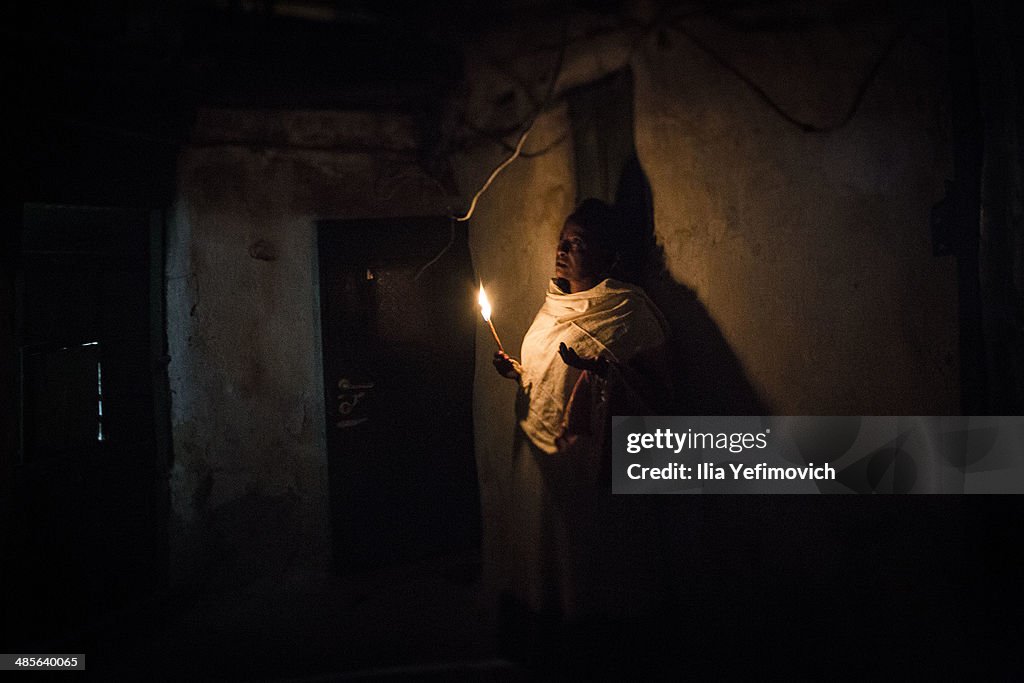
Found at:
<point>614,320</point>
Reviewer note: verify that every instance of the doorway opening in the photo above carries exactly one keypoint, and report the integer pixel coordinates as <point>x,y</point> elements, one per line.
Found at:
<point>92,408</point>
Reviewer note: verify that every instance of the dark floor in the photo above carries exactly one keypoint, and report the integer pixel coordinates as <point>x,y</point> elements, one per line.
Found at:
<point>826,588</point>
<point>425,621</point>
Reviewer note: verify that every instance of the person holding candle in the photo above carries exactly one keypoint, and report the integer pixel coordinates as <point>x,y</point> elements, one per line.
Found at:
<point>579,556</point>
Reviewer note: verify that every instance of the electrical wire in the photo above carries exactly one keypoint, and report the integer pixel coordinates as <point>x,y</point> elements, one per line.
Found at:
<point>476,197</point>
<point>663,21</point>
<point>806,127</point>
<point>496,138</point>
<point>494,174</point>
<point>544,103</point>
<point>451,241</point>
<point>667,19</point>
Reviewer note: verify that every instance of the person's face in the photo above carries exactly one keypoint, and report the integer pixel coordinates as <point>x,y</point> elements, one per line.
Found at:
<point>579,259</point>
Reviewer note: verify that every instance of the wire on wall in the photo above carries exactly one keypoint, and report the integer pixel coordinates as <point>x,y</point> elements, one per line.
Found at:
<point>451,241</point>
<point>663,20</point>
<point>472,205</point>
<point>496,138</point>
<point>887,50</point>
<point>542,105</point>
<point>494,174</point>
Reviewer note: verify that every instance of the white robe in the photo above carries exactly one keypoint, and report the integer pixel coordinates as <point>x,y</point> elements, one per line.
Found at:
<point>575,549</point>
<point>613,320</point>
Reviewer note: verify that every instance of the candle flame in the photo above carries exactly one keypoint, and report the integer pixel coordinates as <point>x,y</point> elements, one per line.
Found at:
<point>485,305</point>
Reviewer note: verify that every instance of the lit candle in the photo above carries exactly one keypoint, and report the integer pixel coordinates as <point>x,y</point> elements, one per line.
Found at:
<point>485,311</point>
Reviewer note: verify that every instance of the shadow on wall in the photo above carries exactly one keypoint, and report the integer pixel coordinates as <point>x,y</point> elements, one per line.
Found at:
<point>708,377</point>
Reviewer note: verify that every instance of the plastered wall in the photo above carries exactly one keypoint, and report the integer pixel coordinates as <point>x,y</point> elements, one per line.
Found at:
<point>249,479</point>
<point>811,250</point>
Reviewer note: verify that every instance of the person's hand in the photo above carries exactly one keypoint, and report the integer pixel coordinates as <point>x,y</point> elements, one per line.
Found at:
<point>569,356</point>
<point>506,365</point>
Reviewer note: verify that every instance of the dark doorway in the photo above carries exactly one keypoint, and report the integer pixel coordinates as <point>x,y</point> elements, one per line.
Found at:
<point>398,378</point>
<point>88,525</point>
